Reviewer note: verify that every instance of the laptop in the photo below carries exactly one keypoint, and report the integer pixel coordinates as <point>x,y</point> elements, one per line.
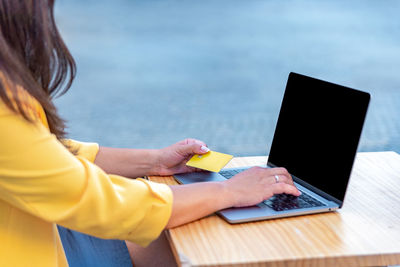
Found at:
<point>316,139</point>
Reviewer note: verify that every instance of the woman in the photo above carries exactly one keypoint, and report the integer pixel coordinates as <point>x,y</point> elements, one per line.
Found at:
<point>47,180</point>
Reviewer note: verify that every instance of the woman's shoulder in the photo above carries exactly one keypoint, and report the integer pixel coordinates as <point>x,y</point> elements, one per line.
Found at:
<point>15,94</point>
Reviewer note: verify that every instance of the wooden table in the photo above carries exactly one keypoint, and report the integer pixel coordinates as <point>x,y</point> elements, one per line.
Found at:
<point>365,232</point>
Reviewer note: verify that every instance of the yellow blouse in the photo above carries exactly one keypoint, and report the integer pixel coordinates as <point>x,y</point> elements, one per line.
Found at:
<point>42,184</point>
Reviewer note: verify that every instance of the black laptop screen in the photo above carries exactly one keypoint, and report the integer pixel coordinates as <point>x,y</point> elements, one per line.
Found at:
<point>317,132</point>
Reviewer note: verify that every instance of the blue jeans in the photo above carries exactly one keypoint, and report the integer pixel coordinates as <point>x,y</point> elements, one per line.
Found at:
<point>84,250</point>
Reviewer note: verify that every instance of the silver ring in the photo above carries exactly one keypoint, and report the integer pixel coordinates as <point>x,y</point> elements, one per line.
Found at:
<point>276,178</point>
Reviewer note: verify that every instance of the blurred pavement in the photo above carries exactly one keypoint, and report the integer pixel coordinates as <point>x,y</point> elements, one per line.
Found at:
<point>153,72</point>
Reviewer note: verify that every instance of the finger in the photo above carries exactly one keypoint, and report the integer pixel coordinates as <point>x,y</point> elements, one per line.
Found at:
<point>282,172</point>
<point>282,178</point>
<point>279,171</point>
<point>189,141</point>
<point>272,175</point>
<point>199,146</point>
<point>280,188</point>
<point>275,175</point>
<point>272,171</point>
<point>198,142</point>
<point>190,149</point>
<point>200,149</point>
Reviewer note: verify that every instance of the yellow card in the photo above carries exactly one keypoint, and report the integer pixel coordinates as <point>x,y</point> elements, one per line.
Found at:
<point>211,161</point>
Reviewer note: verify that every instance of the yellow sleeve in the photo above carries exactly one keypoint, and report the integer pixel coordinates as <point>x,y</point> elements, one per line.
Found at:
<point>40,176</point>
<point>84,149</point>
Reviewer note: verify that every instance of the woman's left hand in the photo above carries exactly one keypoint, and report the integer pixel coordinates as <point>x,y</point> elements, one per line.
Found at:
<point>172,159</point>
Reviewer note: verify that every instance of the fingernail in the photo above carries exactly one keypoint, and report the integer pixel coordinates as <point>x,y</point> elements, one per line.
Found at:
<point>204,148</point>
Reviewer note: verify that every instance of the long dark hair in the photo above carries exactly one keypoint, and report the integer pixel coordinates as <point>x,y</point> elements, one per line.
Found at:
<point>33,56</point>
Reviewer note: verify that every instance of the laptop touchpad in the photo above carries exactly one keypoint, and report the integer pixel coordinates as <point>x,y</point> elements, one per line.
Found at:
<point>196,177</point>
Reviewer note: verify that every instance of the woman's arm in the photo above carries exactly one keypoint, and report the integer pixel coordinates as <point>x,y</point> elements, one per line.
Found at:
<point>127,162</point>
<point>191,202</point>
<point>139,162</point>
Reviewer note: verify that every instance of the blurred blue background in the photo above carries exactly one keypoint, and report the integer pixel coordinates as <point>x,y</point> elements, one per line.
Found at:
<point>153,72</point>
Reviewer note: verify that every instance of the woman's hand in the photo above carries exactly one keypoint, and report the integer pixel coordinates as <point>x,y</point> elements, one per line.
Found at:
<point>258,184</point>
<point>172,159</point>
<point>194,201</point>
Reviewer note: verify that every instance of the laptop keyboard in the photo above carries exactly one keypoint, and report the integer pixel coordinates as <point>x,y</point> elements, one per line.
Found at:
<point>288,202</point>
<point>282,202</point>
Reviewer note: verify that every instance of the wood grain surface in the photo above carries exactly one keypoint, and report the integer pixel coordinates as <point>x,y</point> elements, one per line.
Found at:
<point>365,232</point>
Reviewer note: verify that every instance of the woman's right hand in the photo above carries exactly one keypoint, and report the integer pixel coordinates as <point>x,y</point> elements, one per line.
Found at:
<point>193,201</point>
<point>258,184</point>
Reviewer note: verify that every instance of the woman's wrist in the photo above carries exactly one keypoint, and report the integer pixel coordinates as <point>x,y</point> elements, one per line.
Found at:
<point>194,201</point>
<point>154,157</point>
<point>227,197</point>
<point>145,161</point>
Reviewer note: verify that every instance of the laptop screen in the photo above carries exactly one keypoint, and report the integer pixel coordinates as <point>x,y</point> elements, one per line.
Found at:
<point>318,131</point>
